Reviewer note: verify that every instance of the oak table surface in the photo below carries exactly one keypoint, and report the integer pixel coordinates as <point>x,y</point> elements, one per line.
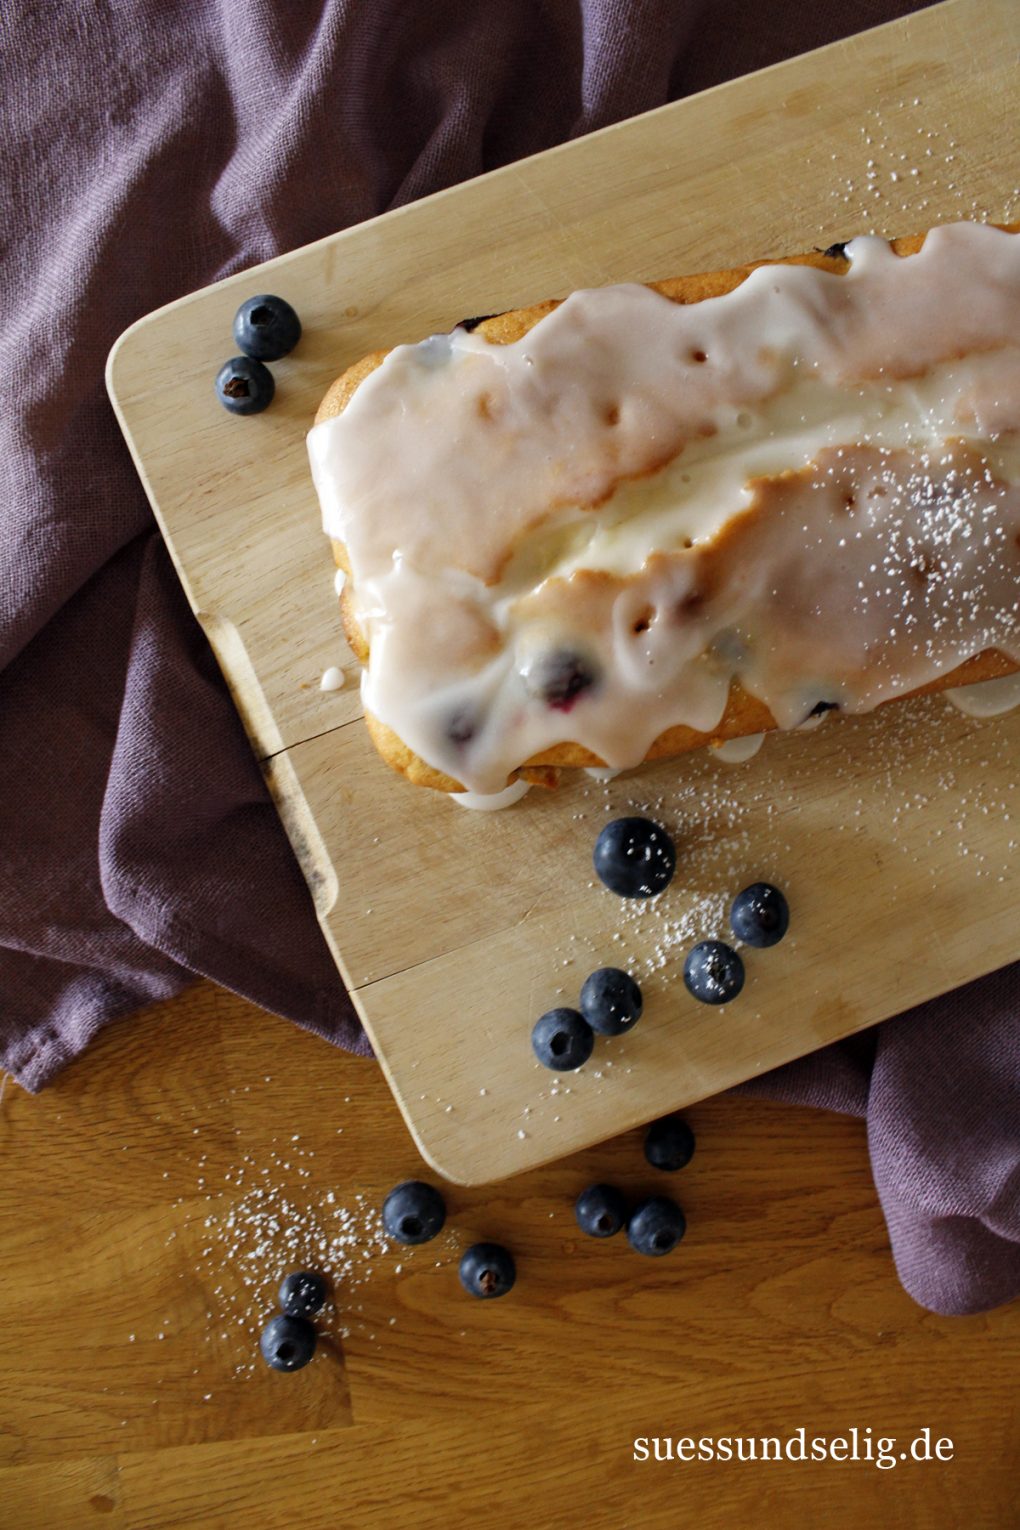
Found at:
<point>153,1197</point>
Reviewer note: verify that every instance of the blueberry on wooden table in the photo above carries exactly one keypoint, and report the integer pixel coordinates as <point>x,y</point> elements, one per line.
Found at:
<point>244,386</point>
<point>634,857</point>
<point>562,1039</point>
<point>287,1343</point>
<point>669,1143</point>
<point>600,1211</point>
<point>413,1212</point>
<point>303,1293</point>
<point>656,1227</point>
<point>610,1001</point>
<point>266,328</point>
<point>760,915</point>
<point>487,1270</point>
<point>713,972</point>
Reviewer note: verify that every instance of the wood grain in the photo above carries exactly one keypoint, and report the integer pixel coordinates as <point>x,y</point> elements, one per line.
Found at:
<point>463,930</point>
<point>780,1309</point>
<point>889,833</point>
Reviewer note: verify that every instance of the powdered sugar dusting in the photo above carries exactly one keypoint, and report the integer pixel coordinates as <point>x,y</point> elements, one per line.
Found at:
<point>265,1218</point>
<point>708,811</point>
<point>733,826</point>
<point>903,170</point>
<point>709,819</point>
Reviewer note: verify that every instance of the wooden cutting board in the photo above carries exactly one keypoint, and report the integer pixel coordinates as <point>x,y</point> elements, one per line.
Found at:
<point>893,835</point>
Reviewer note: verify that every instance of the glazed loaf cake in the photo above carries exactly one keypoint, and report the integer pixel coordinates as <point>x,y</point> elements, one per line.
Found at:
<point>647,519</point>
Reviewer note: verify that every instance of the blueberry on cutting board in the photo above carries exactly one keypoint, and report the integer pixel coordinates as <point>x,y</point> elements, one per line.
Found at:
<point>610,1001</point>
<point>244,386</point>
<point>266,328</point>
<point>760,915</point>
<point>634,857</point>
<point>713,972</point>
<point>562,1039</point>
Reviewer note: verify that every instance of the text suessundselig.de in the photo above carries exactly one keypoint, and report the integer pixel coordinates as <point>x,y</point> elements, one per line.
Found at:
<point>882,1451</point>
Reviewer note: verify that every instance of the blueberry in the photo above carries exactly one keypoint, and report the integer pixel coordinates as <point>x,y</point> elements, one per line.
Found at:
<point>713,972</point>
<point>760,915</point>
<point>303,1293</point>
<point>244,386</point>
<point>414,1212</point>
<point>634,857</point>
<point>600,1211</point>
<point>461,726</point>
<point>610,1001</point>
<point>266,327</point>
<point>487,1270</point>
<point>470,324</point>
<point>562,1039</point>
<point>287,1343</point>
<point>669,1143</point>
<point>558,677</point>
<point>656,1226</point>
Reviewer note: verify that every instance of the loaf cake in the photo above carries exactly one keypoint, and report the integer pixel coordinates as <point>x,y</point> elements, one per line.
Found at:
<point>649,518</point>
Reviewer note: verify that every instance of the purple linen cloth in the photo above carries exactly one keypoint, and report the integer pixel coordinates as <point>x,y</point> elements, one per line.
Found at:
<point>150,147</point>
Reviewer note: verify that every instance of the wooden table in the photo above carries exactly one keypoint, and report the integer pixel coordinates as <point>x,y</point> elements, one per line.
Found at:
<point>131,1396</point>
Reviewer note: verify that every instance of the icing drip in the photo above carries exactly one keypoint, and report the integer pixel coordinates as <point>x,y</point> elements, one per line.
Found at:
<point>809,486</point>
<point>737,751</point>
<point>991,698</point>
<point>494,802</point>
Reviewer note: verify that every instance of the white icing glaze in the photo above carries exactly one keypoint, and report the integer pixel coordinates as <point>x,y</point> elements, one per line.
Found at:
<point>492,802</point>
<point>990,698</point>
<point>339,580</point>
<point>809,485</point>
<point>736,751</point>
<point>332,679</point>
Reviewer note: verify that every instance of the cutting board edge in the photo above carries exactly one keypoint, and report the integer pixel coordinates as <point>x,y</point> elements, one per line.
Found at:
<point>474,1147</point>
<point>509,171</point>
